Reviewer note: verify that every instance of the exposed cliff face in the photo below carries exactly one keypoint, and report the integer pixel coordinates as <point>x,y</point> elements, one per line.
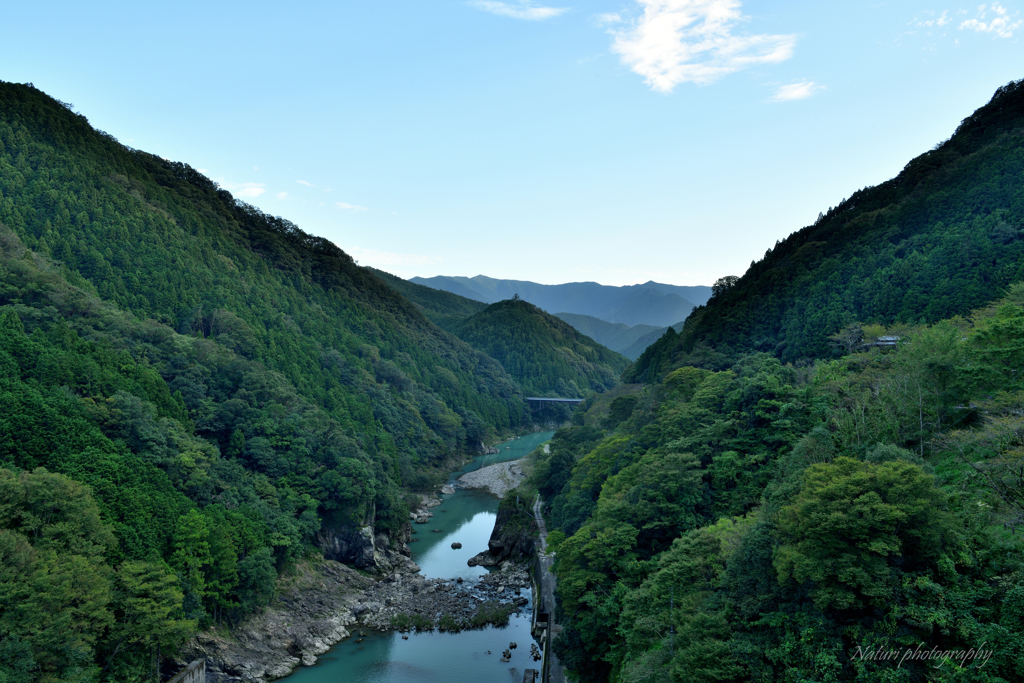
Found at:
<point>362,548</point>
<point>514,536</point>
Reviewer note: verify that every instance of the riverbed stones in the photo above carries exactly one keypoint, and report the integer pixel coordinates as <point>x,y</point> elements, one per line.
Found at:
<point>432,599</point>
<point>498,479</point>
<point>311,613</point>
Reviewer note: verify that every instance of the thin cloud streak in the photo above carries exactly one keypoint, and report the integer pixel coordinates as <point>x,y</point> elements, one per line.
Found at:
<point>521,10</point>
<point>692,41</point>
<point>251,190</point>
<point>796,91</point>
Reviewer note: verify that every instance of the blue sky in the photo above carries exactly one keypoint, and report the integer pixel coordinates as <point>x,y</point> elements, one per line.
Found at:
<point>613,141</point>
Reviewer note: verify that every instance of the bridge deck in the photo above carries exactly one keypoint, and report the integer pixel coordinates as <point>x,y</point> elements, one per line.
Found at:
<point>555,400</point>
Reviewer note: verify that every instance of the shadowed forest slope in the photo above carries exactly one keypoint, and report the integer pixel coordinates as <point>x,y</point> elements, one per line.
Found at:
<point>193,396</point>
<point>544,354</point>
<point>941,238</point>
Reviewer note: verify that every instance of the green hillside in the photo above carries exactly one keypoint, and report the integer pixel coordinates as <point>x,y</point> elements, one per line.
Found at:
<point>763,522</point>
<point>740,518</point>
<point>941,238</point>
<point>230,391</point>
<point>544,354</point>
<point>443,308</point>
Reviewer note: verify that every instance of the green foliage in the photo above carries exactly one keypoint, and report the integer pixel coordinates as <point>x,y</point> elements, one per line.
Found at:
<point>443,308</point>
<point>768,522</point>
<point>63,606</point>
<point>851,522</point>
<point>488,613</point>
<point>941,238</point>
<point>406,622</point>
<point>543,353</point>
<point>206,386</point>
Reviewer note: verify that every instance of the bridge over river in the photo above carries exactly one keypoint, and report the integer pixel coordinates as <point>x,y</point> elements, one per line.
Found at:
<point>541,401</point>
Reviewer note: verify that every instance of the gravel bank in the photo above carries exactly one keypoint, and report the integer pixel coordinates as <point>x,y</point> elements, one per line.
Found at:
<point>432,599</point>
<point>498,479</point>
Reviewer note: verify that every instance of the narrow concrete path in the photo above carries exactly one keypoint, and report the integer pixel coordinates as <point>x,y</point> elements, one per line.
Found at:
<point>547,591</point>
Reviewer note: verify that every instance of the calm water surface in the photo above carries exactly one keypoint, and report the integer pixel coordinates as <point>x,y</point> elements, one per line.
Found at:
<point>467,516</point>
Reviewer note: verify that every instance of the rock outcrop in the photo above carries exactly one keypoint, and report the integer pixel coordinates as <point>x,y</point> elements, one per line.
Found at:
<point>484,449</point>
<point>361,548</point>
<point>498,479</point>
<point>513,538</point>
<point>312,612</point>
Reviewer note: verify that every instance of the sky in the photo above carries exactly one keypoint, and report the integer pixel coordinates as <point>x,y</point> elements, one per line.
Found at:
<point>615,141</point>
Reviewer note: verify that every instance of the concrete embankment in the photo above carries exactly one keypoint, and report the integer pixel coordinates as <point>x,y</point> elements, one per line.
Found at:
<point>553,672</point>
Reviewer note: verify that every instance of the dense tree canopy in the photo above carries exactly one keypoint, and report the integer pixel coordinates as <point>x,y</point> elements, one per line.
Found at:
<point>941,238</point>
<point>202,388</point>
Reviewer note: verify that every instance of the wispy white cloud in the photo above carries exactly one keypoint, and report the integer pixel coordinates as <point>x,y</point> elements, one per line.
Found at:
<point>349,207</point>
<point>932,21</point>
<point>609,18</point>
<point>796,91</point>
<point>1002,24</point>
<point>282,195</point>
<point>251,190</point>
<point>692,41</point>
<point>387,258</point>
<point>314,186</point>
<point>519,10</point>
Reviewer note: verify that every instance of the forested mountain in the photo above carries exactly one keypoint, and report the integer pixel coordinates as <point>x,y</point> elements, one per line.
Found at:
<point>544,354</point>
<point>628,340</point>
<point>851,516</point>
<point>192,395</point>
<point>941,238</point>
<point>651,303</point>
<point>442,307</point>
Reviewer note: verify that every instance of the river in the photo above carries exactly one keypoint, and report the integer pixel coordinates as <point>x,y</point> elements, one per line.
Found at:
<point>467,516</point>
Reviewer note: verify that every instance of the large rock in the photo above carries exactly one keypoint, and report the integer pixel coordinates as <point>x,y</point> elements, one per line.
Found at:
<point>498,479</point>
<point>348,545</point>
<point>512,539</point>
<point>484,449</point>
<point>361,547</point>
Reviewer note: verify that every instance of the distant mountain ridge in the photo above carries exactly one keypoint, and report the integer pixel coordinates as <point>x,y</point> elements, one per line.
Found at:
<point>650,303</point>
<point>630,341</point>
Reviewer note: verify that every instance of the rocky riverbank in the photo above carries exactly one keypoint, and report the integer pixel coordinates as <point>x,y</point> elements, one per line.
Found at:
<point>313,611</point>
<point>409,599</point>
<point>326,601</point>
<point>498,479</point>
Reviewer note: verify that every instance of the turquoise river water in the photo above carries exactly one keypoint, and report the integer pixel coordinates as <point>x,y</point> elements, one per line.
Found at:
<point>467,517</point>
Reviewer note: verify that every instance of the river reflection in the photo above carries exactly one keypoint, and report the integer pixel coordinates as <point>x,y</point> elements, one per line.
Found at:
<point>467,516</point>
